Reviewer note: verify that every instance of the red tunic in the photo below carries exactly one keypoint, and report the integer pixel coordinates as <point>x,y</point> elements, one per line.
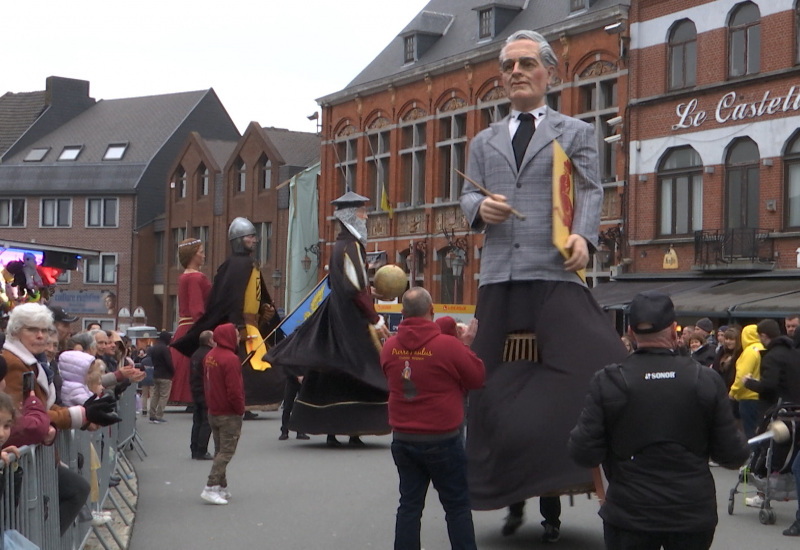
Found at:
<point>193,289</point>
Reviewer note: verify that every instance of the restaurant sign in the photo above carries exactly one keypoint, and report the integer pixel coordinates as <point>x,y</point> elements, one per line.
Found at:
<point>732,107</point>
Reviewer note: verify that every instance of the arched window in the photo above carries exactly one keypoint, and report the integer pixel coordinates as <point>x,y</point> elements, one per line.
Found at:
<point>680,184</point>
<point>741,189</point>
<point>682,55</point>
<point>791,161</point>
<point>744,40</point>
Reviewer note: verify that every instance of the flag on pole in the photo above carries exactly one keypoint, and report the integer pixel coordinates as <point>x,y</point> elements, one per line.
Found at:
<point>563,202</point>
<point>385,206</point>
<point>308,306</point>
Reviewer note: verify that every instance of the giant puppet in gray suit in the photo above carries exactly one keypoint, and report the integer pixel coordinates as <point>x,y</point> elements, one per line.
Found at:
<point>519,423</point>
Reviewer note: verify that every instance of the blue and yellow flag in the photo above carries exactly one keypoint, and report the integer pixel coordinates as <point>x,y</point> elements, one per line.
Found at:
<point>308,306</point>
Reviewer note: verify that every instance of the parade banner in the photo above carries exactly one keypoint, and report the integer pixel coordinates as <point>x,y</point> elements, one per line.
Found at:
<point>306,307</point>
<point>563,202</point>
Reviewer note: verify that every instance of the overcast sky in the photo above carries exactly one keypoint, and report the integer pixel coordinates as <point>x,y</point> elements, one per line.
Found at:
<point>267,60</point>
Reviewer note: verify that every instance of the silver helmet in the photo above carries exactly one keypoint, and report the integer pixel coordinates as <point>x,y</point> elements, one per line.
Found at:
<point>240,227</point>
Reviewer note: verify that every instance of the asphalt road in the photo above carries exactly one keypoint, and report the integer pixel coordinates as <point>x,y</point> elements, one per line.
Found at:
<point>302,495</point>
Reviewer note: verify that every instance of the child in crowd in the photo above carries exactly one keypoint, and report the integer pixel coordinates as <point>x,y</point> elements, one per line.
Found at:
<point>75,367</point>
<point>8,414</point>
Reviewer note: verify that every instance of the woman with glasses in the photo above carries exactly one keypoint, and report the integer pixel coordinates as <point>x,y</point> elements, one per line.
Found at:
<point>29,328</point>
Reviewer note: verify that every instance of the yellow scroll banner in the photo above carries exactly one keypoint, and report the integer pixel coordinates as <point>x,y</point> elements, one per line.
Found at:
<point>563,202</point>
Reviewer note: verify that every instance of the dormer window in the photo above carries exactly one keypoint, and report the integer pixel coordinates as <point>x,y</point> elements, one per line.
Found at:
<point>495,16</point>
<point>410,49</point>
<point>485,23</point>
<point>70,152</point>
<point>36,155</point>
<point>422,33</point>
<point>578,5</point>
<point>115,151</point>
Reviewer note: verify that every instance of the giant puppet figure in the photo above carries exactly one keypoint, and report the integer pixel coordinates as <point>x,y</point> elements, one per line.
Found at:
<point>239,296</point>
<point>519,423</point>
<point>337,347</point>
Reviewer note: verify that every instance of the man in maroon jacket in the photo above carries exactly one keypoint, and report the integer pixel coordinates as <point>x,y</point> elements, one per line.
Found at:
<point>429,374</point>
<point>224,391</point>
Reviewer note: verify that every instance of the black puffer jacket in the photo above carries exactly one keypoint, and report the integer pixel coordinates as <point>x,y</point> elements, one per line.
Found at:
<point>653,422</point>
<point>780,372</point>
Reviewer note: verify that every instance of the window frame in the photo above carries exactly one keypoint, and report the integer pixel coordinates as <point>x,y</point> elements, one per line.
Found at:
<point>413,161</point>
<point>203,181</point>
<point>486,18</point>
<point>102,266</point>
<point>791,162</point>
<point>694,181</point>
<point>8,205</point>
<point>240,176</point>
<point>346,168</point>
<point>113,147</point>
<point>451,150</point>
<point>103,224</point>
<point>70,153</point>
<point>744,30</point>
<point>264,248</point>
<point>674,47</point>
<point>58,201</point>
<point>377,163</point>
<point>599,101</point>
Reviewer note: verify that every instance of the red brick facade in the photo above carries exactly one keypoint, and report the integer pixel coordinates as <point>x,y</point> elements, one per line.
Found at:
<point>757,109</point>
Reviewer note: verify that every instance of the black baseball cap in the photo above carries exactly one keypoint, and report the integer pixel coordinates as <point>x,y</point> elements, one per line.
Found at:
<point>651,311</point>
<point>61,316</point>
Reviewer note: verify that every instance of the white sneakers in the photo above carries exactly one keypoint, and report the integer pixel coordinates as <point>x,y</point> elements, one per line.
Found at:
<point>213,495</point>
<point>754,502</point>
<point>226,494</point>
<point>101,518</point>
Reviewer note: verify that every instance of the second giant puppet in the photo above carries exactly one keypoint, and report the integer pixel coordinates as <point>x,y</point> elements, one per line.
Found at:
<point>239,296</point>
<point>337,347</point>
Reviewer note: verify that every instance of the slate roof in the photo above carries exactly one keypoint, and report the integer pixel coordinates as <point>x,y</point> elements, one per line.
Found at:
<point>17,113</point>
<point>460,40</point>
<point>300,149</point>
<point>220,150</point>
<point>145,123</point>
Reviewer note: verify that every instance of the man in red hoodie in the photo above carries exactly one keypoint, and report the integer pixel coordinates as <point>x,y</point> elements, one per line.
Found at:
<point>429,374</point>
<point>224,391</point>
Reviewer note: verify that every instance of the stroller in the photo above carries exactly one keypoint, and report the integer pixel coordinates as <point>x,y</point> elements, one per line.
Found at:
<point>769,469</point>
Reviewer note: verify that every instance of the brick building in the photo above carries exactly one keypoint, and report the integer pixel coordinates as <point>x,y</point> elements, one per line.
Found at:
<point>77,172</point>
<point>711,134</point>
<point>210,182</point>
<point>403,125</point>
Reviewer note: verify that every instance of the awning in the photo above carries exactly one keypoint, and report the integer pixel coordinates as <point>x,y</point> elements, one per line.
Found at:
<point>618,294</point>
<point>742,298</point>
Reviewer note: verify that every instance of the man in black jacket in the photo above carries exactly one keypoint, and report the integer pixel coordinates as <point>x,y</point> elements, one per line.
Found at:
<point>780,376</point>
<point>201,429</point>
<point>653,422</point>
<point>163,371</point>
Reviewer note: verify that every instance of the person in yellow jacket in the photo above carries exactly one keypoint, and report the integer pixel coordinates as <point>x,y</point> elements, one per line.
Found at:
<point>749,362</point>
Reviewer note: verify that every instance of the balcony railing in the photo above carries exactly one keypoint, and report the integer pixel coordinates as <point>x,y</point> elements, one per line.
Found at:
<point>734,248</point>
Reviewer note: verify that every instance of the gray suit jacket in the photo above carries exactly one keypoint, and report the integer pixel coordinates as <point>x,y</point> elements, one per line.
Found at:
<point>523,250</point>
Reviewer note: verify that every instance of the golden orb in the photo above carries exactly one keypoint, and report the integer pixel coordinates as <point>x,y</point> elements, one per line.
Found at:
<point>390,282</point>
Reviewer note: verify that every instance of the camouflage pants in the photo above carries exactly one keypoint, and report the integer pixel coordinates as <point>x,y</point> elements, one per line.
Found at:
<point>226,430</point>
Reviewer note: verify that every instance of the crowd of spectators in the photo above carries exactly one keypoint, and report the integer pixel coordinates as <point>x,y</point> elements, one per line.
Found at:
<point>56,380</point>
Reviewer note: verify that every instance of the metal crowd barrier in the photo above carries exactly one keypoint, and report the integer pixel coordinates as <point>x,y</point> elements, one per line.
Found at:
<point>29,501</point>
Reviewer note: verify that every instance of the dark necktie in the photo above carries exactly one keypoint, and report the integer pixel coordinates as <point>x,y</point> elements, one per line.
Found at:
<point>522,136</point>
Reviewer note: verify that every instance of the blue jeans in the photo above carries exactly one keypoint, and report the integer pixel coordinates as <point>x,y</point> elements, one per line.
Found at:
<point>796,473</point>
<point>445,464</point>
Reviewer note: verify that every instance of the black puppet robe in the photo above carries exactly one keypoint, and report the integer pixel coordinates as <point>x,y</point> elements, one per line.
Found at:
<point>344,390</point>
<point>226,305</point>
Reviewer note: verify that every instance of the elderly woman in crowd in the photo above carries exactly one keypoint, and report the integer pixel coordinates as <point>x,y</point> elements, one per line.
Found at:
<point>29,327</point>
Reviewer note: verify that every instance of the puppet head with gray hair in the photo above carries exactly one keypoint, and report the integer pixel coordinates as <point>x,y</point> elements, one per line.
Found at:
<point>347,213</point>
